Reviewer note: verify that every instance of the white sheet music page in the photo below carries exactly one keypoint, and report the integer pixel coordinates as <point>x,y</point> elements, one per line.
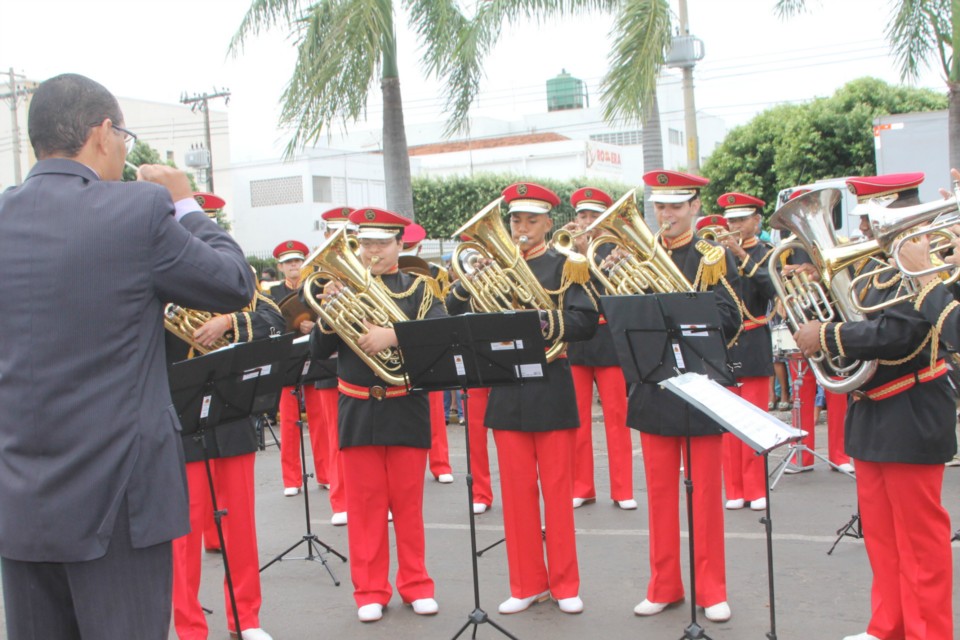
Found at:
<point>754,426</point>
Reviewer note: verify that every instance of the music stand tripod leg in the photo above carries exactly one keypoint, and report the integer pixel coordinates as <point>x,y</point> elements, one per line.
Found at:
<point>478,616</point>
<point>845,531</point>
<point>309,537</point>
<point>693,631</point>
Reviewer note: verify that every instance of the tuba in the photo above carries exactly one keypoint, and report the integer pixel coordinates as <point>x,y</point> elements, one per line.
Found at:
<point>506,283</point>
<point>183,323</point>
<point>362,298</point>
<point>644,266</point>
<point>830,300</point>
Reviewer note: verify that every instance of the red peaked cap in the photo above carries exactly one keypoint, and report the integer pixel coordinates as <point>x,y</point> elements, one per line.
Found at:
<point>590,199</point>
<point>378,223</point>
<point>290,250</point>
<point>712,221</point>
<point>526,197</point>
<point>209,201</point>
<point>338,214</point>
<point>413,234</point>
<point>797,194</point>
<point>673,186</point>
<point>740,205</point>
<point>868,187</point>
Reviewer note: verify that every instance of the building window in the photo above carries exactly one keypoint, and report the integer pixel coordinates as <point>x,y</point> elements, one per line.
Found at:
<point>169,156</point>
<point>620,138</point>
<point>267,193</point>
<point>322,189</point>
<point>676,137</point>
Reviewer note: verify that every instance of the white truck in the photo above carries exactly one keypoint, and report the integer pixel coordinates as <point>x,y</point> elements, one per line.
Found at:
<point>907,142</point>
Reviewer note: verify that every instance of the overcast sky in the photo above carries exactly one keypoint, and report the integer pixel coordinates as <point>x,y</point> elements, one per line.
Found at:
<point>156,50</point>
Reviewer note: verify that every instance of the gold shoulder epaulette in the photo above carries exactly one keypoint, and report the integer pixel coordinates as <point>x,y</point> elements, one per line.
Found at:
<point>713,264</point>
<point>576,270</point>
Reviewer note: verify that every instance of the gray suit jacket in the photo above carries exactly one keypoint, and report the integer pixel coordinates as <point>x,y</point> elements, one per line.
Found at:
<point>85,410</point>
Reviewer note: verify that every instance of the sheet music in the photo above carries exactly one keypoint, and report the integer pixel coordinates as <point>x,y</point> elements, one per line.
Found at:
<point>754,426</point>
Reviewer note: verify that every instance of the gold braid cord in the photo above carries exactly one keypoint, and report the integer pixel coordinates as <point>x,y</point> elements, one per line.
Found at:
<point>729,289</point>
<point>930,286</point>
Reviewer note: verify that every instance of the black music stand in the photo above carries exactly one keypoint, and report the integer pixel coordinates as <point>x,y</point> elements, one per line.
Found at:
<point>466,352</point>
<point>220,388</point>
<point>659,336</point>
<point>754,427</point>
<point>296,370</point>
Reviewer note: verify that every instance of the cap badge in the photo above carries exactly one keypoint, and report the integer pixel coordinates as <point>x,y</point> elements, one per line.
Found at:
<point>731,199</point>
<point>662,178</point>
<point>369,214</point>
<point>289,244</point>
<point>852,189</point>
<point>200,200</point>
<point>588,193</point>
<point>522,189</point>
<point>345,211</point>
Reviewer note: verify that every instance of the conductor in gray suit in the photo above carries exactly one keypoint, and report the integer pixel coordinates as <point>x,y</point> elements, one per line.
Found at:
<point>92,486</point>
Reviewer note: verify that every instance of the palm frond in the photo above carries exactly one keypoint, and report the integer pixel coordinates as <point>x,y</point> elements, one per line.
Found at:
<point>261,16</point>
<point>339,53</point>
<point>913,33</point>
<point>642,35</point>
<point>784,9</point>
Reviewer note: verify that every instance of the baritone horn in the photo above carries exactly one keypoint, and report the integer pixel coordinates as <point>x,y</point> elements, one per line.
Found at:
<point>642,266</point>
<point>495,274</point>
<point>183,323</point>
<point>830,300</point>
<point>361,299</point>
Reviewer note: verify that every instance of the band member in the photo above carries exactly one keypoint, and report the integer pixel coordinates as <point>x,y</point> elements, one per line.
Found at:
<point>900,431</point>
<point>438,457</point>
<point>384,432</point>
<point>664,420</point>
<point>806,397</point>
<point>290,255</point>
<point>743,472</point>
<point>595,360</point>
<point>534,423</point>
<point>232,450</point>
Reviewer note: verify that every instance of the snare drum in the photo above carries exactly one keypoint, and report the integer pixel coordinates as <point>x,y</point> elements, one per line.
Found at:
<point>783,343</point>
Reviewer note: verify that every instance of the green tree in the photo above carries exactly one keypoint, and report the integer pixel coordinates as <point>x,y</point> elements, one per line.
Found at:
<point>920,32</point>
<point>798,144</point>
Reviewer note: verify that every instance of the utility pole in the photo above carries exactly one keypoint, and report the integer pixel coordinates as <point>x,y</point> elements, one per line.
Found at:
<point>685,52</point>
<point>199,101</point>
<point>14,95</point>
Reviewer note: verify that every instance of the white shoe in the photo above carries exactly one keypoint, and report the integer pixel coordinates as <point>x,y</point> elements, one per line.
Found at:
<point>758,505</point>
<point>627,505</point>
<point>289,492</point>
<point>389,516</point>
<point>719,612</point>
<point>846,467</point>
<point>324,485</point>
<point>579,502</point>
<point>647,608</point>
<point>445,478</point>
<point>861,636</point>
<point>255,634</point>
<point>339,519</point>
<point>735,504</point>
<point>516,605</point>
<point>370,612</point>
<point>479,507</point>
<point>425,606</point>
<point>571,605</point>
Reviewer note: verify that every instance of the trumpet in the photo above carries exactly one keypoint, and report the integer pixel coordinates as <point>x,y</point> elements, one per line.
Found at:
<point>563,239</point>
<point>719,234</point>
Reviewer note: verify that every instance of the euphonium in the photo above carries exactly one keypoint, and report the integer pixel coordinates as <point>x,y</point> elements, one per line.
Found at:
<point>362,298</point>
<point>643,267</point>
<point>183,323</point>
<point>830,300</point>
<point>506,283</point>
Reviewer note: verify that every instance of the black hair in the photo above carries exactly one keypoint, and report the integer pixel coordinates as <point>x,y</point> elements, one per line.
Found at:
<point>64,109</point>
<point>269,271</point>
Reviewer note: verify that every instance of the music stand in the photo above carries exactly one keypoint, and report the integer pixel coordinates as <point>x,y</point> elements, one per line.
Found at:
<point>466,352</point>
<point>296,370</point>
<point>754,427</point>
<point>220,388</point>
<point>659,336</point>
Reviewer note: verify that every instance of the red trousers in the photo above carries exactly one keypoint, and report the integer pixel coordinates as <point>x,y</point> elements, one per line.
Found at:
<point>235,493</point>
<point>378,479</point>
<point>613,399</point>
<point>836,415</point>
<point>743,475</point>
<point>439,456</point>
<point>661,463</point>
<point>479,455</point>
<point>320,432</point>
<point>907,534</point>
<point>524,458</point>
<point>328,409</point>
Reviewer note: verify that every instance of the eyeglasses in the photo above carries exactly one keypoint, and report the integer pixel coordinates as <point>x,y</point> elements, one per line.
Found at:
<point>129,137</point>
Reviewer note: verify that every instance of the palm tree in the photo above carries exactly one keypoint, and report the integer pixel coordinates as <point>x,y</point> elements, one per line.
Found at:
<point>918,31</point>
<point>343,45</point>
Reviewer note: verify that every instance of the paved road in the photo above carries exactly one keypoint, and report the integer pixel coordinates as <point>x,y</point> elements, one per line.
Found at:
<point>817,595</point>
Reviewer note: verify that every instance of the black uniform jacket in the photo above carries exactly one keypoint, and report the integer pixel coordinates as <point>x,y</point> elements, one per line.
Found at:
<point>548,403</point>
<point>239,437</point>
<point>652,409</point>
<point>753,350</point>
<point>394,421</point>
<point>598,351</point>
<point>280,291</point>
<point>916,425</point>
